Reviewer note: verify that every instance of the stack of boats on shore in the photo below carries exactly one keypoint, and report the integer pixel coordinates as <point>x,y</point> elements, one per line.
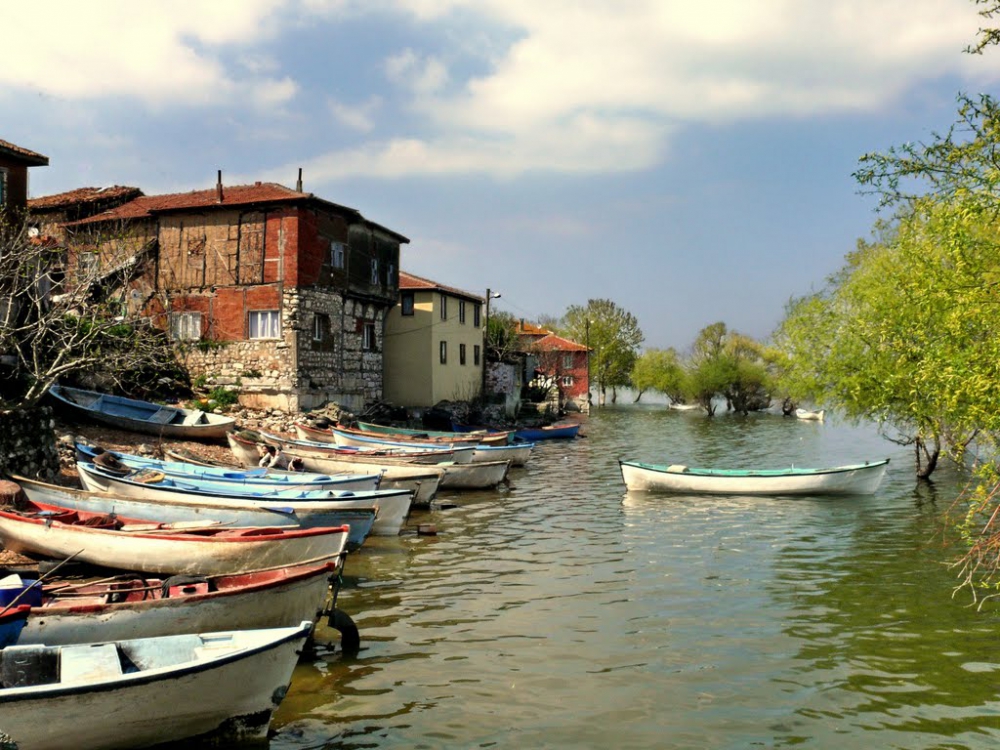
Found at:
<point>203,580</point>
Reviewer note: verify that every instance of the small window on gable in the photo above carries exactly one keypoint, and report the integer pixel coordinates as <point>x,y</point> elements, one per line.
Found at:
<point>461,354</point>
<point>265,324</point>
<point>368,342</point>
<point>337,254</point>
<point>406,303</point>
<point>321,326</point>
<point>185,326</point>
<point>444,306</point>
<point>375,271</point>
<point>444,352</point>
<point>461,311</point>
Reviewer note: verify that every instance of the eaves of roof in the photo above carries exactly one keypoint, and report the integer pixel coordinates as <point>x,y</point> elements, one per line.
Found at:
<point>28,157</point>
<point>411,282</point>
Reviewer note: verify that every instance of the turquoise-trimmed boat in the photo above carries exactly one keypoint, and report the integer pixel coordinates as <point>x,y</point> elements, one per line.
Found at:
<point>853,479</point>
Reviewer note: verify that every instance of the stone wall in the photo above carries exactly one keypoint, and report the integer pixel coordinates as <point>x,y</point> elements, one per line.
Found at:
<point>28,443</point>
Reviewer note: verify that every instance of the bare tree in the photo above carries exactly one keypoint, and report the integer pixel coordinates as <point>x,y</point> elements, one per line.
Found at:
<point>75,310</point>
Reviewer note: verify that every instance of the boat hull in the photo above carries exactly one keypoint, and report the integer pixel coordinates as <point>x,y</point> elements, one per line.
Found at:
<point>219,553</point>
<point>229,698</point>
<point>858,479</point>
<point>140,416</point>
<point>293,595</point>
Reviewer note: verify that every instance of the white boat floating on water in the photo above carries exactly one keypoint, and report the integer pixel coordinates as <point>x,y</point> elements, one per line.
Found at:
<point>146,691</point>
<point>809,414</point>
<point>855,479</point>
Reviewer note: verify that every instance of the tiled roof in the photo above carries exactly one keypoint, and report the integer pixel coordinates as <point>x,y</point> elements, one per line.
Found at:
<point>558,343</point>
<point>83,196</point>
<point>407,281</point>
<point>232,195</point>
<point>30,157</point>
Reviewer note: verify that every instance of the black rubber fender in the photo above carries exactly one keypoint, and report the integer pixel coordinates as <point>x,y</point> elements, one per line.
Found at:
<point>350,638</point>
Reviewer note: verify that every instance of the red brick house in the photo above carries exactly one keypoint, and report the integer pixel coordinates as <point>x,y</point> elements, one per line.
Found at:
<point>558,363</point>
<point>274,291</point>
<point>14,164</point>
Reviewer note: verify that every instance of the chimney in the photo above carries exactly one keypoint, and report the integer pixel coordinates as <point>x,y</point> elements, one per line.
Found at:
<point>218,187</point>
<point>298,184</point>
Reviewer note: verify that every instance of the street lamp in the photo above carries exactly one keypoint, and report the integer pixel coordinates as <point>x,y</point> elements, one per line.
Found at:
<point>490,294</point>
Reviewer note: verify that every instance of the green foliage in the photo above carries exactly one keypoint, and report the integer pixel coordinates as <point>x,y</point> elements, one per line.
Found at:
<point>729,365</point>
<point>612,333</point>
<point>661,370</point>
<point>223,396</point>
<point>501,337</point>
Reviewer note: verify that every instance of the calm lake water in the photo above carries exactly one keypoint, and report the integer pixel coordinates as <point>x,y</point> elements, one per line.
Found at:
<point>565,613</point>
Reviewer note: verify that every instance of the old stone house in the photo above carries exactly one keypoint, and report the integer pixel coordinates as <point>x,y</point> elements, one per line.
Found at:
<point>272,291</point>
<point>14,164</point>
<point>433,344</point>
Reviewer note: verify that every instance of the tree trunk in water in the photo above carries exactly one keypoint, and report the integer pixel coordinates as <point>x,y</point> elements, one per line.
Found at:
<point>638,396</point>
<point>928,454</point>
<point>614,394</point>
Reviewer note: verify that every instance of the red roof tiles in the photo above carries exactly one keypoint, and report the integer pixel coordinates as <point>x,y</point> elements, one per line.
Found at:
<point>407,281</point>
<point>83,196</point>
<point>31,158</point>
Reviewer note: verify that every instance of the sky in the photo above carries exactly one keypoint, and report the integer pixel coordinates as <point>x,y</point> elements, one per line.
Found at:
<point>692,162</point>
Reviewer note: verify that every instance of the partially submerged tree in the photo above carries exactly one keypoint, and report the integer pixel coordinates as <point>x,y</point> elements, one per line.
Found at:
<point>660,370</point>
<point>68,314</point>
<point>729,365</point>
<point>614,336</point>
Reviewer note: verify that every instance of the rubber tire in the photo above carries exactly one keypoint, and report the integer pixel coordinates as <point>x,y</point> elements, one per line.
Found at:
<point>350,638</point>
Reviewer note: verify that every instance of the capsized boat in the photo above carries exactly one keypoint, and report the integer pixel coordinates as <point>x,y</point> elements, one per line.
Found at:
<point>854,479</point>
<point>141,416</point>
<point>114,541</point>
<point>220,686</point>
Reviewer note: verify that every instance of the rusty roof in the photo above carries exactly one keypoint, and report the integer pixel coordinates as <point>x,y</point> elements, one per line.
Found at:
<point>30,158</point>
<point>530,329</point>
<point>410,282</point>
<point>233,196</point>
<point>83,196</point>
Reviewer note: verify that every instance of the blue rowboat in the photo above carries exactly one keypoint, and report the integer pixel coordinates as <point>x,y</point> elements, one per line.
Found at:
<point>562,430</point>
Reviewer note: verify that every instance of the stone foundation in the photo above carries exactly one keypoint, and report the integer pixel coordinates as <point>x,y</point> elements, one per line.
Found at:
<point>28,443</point>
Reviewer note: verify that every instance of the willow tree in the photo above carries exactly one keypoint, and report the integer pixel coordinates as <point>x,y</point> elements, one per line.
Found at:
<point>662,371</point>
<point>614,336</point>
<point>729,365</point>
<point>906,333</point>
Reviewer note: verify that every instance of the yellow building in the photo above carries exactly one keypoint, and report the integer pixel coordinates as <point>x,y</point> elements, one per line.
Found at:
<point>433,345</point>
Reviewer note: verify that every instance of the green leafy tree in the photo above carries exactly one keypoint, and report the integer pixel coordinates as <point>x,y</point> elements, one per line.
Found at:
<point>660,370</point>
<point>614,336</point>
<point>501,337</point>
<point>729,365</point>
<point>904,334</point>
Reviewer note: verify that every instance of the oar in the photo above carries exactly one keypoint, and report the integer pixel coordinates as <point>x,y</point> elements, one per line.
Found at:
<point>41,578</point>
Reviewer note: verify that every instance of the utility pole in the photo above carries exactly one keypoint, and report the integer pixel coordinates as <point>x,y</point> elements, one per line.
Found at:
<point>490,294</point>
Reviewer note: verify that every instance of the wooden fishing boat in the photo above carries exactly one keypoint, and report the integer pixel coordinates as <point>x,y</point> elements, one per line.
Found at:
<point>855,479</point>
<point>517,453</point>
<point>115,541</point>
<point>256,479</point>
<point>321,457</point>
<point>141,416</point>
<point>392,506</point>
<point>220,686</point>
<point>809,414</point>
<point>559,431</point>
<point>482,437</point>
<point>137,606</point>
<point>383,448</point>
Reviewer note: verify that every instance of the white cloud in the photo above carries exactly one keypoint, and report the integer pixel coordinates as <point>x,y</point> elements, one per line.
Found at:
<point>360,117</point>
<point>156,52</point>
<point>422,75</point>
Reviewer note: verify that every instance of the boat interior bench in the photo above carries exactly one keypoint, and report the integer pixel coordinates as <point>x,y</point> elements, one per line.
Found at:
<point>163,415</point>
<point>24,666</point>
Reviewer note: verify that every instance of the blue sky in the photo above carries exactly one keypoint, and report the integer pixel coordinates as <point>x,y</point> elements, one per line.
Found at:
<point>691,162</point>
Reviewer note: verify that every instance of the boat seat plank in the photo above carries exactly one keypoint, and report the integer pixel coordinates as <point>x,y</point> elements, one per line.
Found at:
<point>163,415</point>
<point>195,417</point>
<point>88,662</point>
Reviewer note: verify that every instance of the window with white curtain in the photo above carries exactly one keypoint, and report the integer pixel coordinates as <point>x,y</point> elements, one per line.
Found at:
<point>265,324</point>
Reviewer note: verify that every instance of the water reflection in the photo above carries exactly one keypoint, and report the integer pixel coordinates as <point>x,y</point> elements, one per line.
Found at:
<point>565,612</point>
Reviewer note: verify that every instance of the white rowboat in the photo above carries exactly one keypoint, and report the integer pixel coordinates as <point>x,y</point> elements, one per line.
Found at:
<point>856,479</point>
